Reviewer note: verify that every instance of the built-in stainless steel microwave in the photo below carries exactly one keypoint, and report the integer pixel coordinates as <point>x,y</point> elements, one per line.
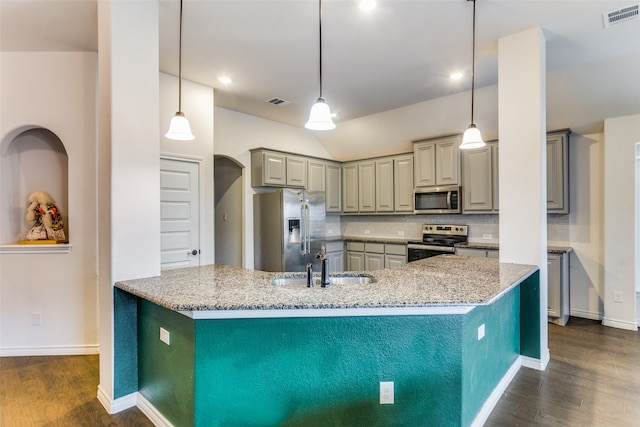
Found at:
<point>437,200</point>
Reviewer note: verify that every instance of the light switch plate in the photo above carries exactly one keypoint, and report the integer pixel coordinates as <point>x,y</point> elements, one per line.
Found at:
<point>165,337</point>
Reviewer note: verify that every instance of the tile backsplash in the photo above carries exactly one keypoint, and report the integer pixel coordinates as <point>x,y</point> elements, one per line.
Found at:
<point>482,228</point>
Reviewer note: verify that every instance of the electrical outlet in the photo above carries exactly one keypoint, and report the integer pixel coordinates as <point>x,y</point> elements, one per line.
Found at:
<point>330,231</point>
<point>386,392</point>
<point>480,332</point>
<point>618,296</point>
<point>165,337</point>
<point>367,231</point>
<point>487,236</point>
<point>400,233</point>
<point>36,319</point>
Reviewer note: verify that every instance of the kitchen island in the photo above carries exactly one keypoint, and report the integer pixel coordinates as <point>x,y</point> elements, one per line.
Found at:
<point>448,331</point>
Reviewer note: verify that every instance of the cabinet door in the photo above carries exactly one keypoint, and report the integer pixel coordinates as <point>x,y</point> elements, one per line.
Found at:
<point>367,186</point>
<point>471,252</point>
<point>373,261</point>
<point>336,261</point>
<point>495,177</point>
<point>333,188</point>
<point>477,179</point>
<point>274,169</point>
<point>403,183</point>
<point>557,173</point>
<point>350,187</point>
<point>315,175</point>
<point>448,161</point>
<point>553,284</point>
<point>393,260</point>
<point>355,261</point>
<point>425,164</point>
<point>296,171</point>
<point>384,185</point>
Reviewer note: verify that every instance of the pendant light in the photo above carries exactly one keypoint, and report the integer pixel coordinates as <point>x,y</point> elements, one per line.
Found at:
<point>179,128</point>
<point>320,116</point>
<point>471,137</point>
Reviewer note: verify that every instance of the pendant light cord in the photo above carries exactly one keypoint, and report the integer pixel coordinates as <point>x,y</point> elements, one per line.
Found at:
<point>180,63</point>
<point>473,60</point>
<point>320,41</point>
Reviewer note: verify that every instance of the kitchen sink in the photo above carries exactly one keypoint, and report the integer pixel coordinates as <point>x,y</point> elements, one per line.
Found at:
<point>335,279</point>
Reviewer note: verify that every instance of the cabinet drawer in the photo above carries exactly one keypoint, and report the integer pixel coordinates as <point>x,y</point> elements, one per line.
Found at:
<point>355,246</point>
<point>334,246</point>
<point>395,249</point>
<point>376,248</point>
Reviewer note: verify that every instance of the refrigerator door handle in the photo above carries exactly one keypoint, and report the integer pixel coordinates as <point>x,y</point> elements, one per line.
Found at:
<point>307,230</point>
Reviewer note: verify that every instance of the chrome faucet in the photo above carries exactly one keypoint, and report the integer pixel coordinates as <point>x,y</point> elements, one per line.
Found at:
<point>324,262</point>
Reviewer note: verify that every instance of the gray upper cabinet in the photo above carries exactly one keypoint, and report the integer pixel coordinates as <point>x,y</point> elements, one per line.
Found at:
<point>384,185</point>
<point>437,162</point>
<point>350,187</point>
<point>558,172</point>
<point>367,186</point>
<point>333,187</point>
<point>316,175</point>
<point>296,171</point>
<point>275,169</point>
<point>403,183</point>
<point>480,179</point>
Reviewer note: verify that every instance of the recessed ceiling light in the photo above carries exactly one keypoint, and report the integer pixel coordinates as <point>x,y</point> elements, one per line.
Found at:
<point>456,76</point>
<point>367,5</point>
<point>224,80</point>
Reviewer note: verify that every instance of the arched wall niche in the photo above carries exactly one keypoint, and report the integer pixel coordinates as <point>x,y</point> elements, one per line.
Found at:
<point>32,158</point>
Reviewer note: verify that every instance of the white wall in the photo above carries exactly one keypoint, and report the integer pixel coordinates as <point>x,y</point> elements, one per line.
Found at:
<point>236,133</point>
<point>55,91</point>
<point>197,105</point>
<point>620,136</point>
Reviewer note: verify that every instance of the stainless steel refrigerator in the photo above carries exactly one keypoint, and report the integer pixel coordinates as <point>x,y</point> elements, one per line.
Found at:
<point>289,227</point>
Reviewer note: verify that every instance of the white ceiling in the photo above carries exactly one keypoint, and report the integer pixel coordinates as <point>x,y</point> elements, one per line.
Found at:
<point>399,54</point>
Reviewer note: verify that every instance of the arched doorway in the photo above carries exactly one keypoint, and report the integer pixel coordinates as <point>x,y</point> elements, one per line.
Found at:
<point>228,208</point>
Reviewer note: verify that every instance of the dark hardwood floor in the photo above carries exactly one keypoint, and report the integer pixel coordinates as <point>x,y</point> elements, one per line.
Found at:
<point>593,379</point>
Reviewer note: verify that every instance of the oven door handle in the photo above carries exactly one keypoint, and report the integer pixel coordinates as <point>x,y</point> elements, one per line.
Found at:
<point>448,249</point>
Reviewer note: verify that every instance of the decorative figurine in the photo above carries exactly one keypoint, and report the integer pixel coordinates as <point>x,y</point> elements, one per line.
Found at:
<point>47,221</point>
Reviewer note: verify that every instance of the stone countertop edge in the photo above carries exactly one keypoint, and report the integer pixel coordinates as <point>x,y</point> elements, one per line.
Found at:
<point>494,246</point>
<point>374,239</point>
<point>443,284</point>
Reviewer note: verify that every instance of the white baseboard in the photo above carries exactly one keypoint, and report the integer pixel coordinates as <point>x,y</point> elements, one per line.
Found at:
<point>620,324</point>
<point>537,364</point>
<point>151,412</point>
<point>496,394</point>
<point>586,314</point>
<point>54,350</point>
<point>117,405</point>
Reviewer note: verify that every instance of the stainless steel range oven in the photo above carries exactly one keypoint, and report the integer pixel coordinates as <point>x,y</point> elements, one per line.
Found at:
<point>437,239</point>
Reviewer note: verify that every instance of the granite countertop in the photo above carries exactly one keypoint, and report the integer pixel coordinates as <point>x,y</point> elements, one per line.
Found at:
<point>441,281</point>
<point>495,246</point>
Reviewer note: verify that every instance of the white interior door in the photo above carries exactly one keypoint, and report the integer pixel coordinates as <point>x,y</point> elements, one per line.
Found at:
<point>179,219</point>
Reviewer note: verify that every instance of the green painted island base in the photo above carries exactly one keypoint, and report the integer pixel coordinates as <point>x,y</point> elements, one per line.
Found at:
<point>326,371</point>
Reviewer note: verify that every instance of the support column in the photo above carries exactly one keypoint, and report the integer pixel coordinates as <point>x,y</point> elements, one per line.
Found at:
<point>128,179</point>
<point>522,165</point>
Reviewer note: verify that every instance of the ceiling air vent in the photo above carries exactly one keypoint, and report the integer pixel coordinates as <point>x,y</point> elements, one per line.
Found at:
<point>277,101</point>
<point>620,16</point>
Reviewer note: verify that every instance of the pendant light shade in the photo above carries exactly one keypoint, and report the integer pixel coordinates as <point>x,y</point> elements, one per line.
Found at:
<point>472,137</point>
<point>320,116</point>
<point>179,128</point>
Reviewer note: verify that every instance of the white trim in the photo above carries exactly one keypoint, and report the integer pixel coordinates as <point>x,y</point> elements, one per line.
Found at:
<point>118,405</point>
<point>62,248</point>
<point>496,394</point>
<point>151,412</point>
<point>181,157</point>
<point>620,324</point>
<point>328,312</point>
<point>58,350</point>
<point>586,314</point>
<point>537,364</point>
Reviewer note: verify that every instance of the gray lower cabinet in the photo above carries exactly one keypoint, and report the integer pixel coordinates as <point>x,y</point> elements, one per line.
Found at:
<point>367,256</point>
<point>335,256</point>
<point>558,309</point>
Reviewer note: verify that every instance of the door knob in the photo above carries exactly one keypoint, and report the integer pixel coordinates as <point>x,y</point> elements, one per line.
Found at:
<point>194,252</point>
